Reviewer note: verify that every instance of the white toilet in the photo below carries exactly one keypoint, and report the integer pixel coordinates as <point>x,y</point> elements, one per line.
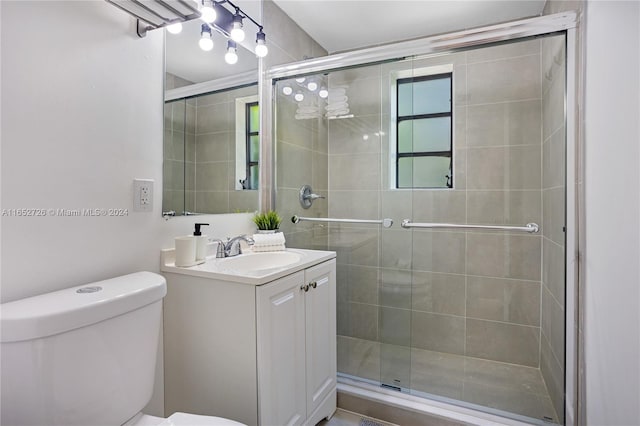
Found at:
<point>85,356</point>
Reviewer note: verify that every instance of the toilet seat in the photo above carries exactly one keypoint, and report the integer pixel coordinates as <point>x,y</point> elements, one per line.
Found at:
<point>180,419</point>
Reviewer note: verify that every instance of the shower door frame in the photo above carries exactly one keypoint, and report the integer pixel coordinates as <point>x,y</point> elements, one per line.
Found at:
<point>565,22</point>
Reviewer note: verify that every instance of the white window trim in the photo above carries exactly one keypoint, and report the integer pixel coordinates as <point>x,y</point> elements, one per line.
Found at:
<point>394,76</point>
<point>241,138</point>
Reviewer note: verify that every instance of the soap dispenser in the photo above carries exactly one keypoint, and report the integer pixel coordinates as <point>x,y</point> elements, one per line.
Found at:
<point>201,243</point>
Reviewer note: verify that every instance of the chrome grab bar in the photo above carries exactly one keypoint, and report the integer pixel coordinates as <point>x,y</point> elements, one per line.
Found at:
<point>384,222</point>
<point>531,228</point>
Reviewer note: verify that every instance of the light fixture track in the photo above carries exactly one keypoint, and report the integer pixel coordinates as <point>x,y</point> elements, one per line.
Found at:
<point>154,14</point>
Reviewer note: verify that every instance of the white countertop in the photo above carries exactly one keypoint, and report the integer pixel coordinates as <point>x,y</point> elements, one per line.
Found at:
<point>213,268</point>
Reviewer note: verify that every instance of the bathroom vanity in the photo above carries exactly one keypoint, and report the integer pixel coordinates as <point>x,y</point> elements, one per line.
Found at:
<point>252,338</point>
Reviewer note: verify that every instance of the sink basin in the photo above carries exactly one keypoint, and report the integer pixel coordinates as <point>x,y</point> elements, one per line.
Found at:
<point>251,262</point>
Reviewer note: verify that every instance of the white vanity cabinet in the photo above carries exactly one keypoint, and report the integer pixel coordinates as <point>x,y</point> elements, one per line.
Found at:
<point>297,347</point>
<point>261,354</point>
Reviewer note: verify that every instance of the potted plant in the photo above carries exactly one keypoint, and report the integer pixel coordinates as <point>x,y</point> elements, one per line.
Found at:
<point>268,222</point>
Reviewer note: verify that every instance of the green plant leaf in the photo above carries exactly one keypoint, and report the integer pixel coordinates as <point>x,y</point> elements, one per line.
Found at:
<point>267,221</point>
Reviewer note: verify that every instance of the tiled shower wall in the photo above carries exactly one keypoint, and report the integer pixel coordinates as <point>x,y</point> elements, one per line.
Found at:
<point>301,145</point>
<point>474,293</point>
<point>553,239</point>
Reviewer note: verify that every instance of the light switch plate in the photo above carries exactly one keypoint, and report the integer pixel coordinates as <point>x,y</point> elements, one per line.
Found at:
<point>142,195</point>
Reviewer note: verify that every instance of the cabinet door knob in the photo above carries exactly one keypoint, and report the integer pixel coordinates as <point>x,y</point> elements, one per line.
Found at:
<point>304,287</point>
<point>313,284</point>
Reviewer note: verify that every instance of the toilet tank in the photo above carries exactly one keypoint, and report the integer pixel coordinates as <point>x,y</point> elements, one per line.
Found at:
<point>81,356</point>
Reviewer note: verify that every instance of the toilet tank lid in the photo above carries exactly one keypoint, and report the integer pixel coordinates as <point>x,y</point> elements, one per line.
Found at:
<point>71,308</point>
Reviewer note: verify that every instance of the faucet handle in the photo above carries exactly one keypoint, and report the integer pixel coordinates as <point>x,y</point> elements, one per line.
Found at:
<point>219,248</point>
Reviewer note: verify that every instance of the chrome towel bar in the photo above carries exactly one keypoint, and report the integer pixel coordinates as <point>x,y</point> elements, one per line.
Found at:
<point>384,222</point>
<point>531,228</point>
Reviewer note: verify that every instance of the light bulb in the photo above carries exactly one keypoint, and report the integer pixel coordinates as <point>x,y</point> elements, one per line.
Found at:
<point>300,79</point>
<point>312,85</point>
<point>206,42</point>
<point>175,28</point>
<point>261,44</point>
<point>237,33</point>
<point>231,57</point>
<point>207,12</point>
<point>299,97</point>
<point>323,93</point>
<point>261,50</point>
<point>287,90</point>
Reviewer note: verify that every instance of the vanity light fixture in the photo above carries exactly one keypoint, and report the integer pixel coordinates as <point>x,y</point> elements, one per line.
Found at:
<point>237,33</point>
<point>217,16</point>
<point>299,97</point>
<point>206,41</point>
<point>287,90</point>
<point>231,57</point>
<point>312,86</point>
<point>323,92</point>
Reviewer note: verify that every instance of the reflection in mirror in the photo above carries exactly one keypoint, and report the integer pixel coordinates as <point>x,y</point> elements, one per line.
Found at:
<point>211,138</point>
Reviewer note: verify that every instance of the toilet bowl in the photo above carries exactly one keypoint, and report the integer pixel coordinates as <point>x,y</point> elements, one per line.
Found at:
<point>85,355</point>
<point>180,419</point>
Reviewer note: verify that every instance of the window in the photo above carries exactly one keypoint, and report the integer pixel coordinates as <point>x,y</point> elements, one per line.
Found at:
<point>253,145</point>
<point>247,141</point>
<point>423,131</point>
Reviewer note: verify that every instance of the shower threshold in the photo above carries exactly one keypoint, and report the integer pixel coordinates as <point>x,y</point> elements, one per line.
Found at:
<point>457,410</point>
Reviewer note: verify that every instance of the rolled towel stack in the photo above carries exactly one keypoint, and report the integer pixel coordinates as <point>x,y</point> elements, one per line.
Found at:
<point>268,242</point>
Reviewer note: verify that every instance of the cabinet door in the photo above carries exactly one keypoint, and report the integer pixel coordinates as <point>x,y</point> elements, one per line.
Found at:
<point>320,322</point>
<point>281,351</point>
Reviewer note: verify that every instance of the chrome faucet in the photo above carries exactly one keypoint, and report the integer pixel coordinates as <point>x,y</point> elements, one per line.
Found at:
<point>232,246</point>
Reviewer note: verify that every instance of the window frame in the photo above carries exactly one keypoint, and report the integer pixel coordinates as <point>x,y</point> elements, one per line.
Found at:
<point>416,75</point>
<point>242,140</point>
<point>249,134</point>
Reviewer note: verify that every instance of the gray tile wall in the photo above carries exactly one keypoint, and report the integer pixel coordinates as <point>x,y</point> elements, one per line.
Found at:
<point>552,354</point>
<point>179,139</point>
<point>301,156</point>
<point>464,293</point>
<point>211,182</point>
<point>301,145</point>
<point>199,153</point>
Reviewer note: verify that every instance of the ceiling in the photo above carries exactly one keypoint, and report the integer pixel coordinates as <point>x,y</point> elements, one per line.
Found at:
<point>349,24</point>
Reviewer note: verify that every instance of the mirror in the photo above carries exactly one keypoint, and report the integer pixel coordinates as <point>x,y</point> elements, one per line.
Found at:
<point>211,124</point>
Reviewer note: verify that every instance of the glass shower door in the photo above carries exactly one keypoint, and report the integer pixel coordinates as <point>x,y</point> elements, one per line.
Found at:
<point>473,317</point>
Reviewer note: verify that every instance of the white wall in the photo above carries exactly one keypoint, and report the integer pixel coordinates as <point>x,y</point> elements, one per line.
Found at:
<point>81,118</point>
<point>612,197</point>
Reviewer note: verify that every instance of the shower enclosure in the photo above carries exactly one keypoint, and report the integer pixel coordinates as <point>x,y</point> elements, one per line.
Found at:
<point>433,307</point>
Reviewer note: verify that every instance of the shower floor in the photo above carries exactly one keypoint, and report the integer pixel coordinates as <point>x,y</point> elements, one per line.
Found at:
<point>500,386</point>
